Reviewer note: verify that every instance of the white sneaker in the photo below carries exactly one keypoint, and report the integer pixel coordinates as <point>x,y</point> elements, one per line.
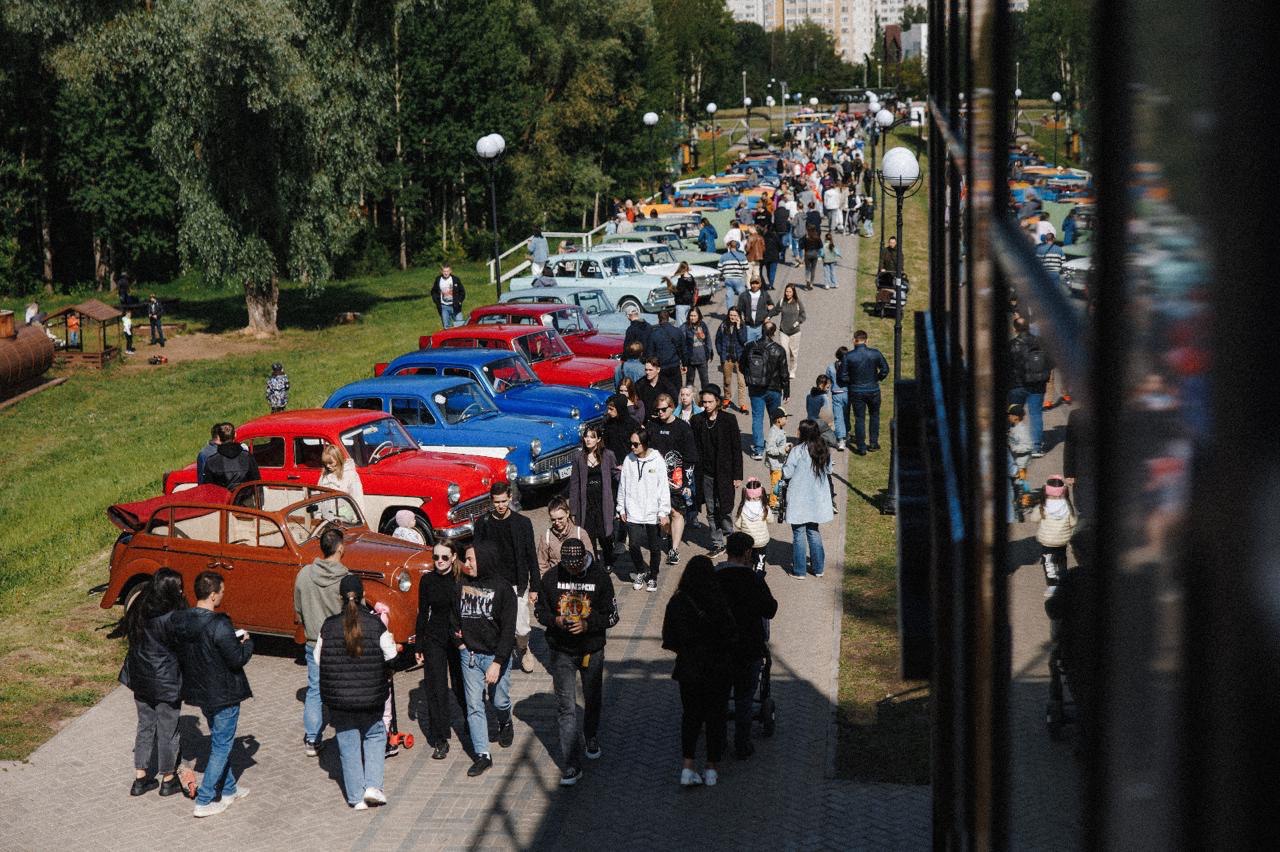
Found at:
<point>374,796</point>
<point>710,777</point>
<point>360,806</point>
<point>213,808</point>
<point>240,793</point>
<point>690,778</point>
<point>639,581</point>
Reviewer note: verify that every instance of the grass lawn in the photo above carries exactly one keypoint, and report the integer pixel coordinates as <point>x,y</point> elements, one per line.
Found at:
<point>883,721</point>
<point>106,437</point>
<point>1041,137</point>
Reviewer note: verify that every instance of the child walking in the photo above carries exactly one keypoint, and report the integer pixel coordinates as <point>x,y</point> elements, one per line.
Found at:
<point>1057,526</point>
<point>776,448</point>
<point>752,519</point>
<point>278,388</point>
<point>830,260</point>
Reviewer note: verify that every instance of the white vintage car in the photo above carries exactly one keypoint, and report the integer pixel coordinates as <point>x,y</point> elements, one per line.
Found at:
<point>617,273</point>
<point>658,259</point>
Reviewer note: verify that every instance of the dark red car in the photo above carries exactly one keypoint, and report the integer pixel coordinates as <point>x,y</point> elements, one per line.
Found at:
<point>445,491</point>
<point>571,321</point>
<point>542,347</point>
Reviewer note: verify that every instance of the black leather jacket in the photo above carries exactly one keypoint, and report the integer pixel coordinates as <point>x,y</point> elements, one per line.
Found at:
<point>150,668</point>
<point>212,658</point>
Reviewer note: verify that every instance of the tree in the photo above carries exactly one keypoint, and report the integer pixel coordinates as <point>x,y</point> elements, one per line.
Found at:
<point>912,15</point>
<point>1054,49</point>
<point>700,35</point>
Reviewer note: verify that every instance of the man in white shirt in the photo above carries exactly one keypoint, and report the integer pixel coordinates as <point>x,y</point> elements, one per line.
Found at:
<point>448,294</point>
<point>831,205</point>
<point>734,234</point>
<point>1043,228</point>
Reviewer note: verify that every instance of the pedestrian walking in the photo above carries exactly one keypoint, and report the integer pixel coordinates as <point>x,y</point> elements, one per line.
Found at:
<point>563,526</point>
<point>1051,256</point>
<point>618,427</point>
<point>808,475</point>
<point>155,319</point>
<point>798,230</point>
<point>278,388</point>
<point>638,331</point>
<point>719,445</point>
<point>776,448</point>
<point>697,347</point>
<point>839,396</point>
<point>687,405</point>
<point>1056,528</point>
<point>316,599</point>
<point>628,390</point>
<point>832,205</point>
<point>666,343</point>
<point>684,289</point>
<point>752,605</point>
<point>632,366</point>
<point>436,633</point>
<point>644,506</point>
<point>768,382</point>
<point>487,611</point>
<point>577,606</point>
<point>511,533</point>
<point>232,465</point>
<point>448,294</point>
<point>707,236</point>
<point>673,439</point>
<point>811,246</point>
<point>1029,368</point>
<point>790,314</point>
<point>539,251</point>
<point>655,383</point>
<point>754,306</point>
<point>151,672</point>
<point>731,338</point>
<point>733,268</point>
<point>699,627</point>
<point>126,328</point>
<point>212,655</point>
<point>752,518</point>
<point>352,653</point>
<point>773,252</point>
<point>864,369</point>
<point>754,251</point>
<point>830,261</point>
<point>591,489</point>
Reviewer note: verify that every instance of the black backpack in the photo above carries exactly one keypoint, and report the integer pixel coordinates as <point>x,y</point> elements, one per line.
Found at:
<point>1034,361</point>
<point>757,371</point>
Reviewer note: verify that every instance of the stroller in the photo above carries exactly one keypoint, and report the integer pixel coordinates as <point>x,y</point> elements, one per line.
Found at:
<point>891,293</point>
<point>1060,711</point>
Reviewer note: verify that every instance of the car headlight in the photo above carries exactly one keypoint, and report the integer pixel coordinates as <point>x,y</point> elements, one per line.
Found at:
<point>535,446</point>
<point>582,429</point>
<point>455,493</point>
<point>512,472</point>
<point>575,412</point>
<point>403,581</point>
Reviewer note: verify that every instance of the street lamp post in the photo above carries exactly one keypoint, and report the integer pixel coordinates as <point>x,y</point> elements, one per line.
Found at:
<point>884,123</point>
<point>813,102</point>
<point>650,119</point>
<point>711,111</point>
<point>770,103</point>
<point>489,149</point>
<point>1057,99</point>
<point>1017,95</point>
<point>746,102</point>
<point>901,174</point>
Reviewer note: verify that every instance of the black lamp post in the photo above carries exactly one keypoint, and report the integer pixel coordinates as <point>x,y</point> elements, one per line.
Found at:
<point>489,149</point>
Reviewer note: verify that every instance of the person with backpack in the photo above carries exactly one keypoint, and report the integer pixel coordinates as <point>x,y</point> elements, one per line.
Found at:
<point>768,382</point>
<point>863,370</point>
<point>1029,369</point>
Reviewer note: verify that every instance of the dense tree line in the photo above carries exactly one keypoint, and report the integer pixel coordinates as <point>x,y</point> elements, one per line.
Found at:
<point>254,140</point>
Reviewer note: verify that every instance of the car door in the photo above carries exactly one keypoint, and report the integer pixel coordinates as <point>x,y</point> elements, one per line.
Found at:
<point>268,452</point>
<point>417,419</point>
<point>307,450</point>
<point>193,543</point>
<point>260,566</point>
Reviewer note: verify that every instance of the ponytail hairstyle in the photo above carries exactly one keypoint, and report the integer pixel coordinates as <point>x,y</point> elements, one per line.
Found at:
<point>352,591</point>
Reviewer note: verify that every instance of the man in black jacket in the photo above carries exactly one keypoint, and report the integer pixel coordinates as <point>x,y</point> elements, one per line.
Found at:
<point>764,364</point>
<point>719,463</point>
<point>487,613</point>
<point>666,343</point>
<point>1029,369</point>
<point>213,656</point>
<point>512,533</point>
<point>448,294</point>
<point>232,464</point>
<point>751,603</point>
<point>862,371</point>
<point>577,606</point>
<point>637,331</point>
<point>651,386</point>
<point>673,438</point>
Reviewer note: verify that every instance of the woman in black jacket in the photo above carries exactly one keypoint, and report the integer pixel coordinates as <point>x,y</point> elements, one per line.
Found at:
<point>351,653</point>
<point>151,671</point>
<point>700,628</point>
<point>618,427</point>
<point>591,500</point>
<point>437,633</point>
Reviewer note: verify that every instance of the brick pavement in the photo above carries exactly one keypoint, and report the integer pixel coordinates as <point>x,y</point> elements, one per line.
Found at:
<point>74,789</point>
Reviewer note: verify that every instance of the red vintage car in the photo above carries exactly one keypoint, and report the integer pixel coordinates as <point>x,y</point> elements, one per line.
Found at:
<point>259,536</point>
<point>571,321</point>
<point>543,348</point>
<point>445,491</point>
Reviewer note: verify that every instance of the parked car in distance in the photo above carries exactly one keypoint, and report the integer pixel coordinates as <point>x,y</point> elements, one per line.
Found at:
<point>454,414</point>
<point>599,307</point>
<point>658,259</point>
<point>542,347</point>
<point>570,321</point>
<point>514,385</point>
<point>1075,275</point>
<point>683,250</point>
<point>259,536</point>
<point>445,491</point>
<point>617,274</point>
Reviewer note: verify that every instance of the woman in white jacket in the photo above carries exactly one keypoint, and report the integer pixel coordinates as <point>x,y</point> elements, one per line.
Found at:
<point>1057,527</point>
<point>644,505</point>
<point>340,474</point>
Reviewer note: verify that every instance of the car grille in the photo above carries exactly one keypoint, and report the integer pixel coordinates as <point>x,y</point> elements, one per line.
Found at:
<point>470,510</point>
<point>553,462</point>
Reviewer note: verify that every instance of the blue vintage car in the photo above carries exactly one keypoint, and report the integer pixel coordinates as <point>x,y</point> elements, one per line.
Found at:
<point>455,415</point>
<point>508,377</point>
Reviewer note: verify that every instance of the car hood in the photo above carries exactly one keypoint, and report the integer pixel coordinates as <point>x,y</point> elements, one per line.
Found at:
<point>589,403</point>
<point>669,269</point>
<point>131,517</point>
<point>441,467</point>
<point>519,428</point>
<point>705,258</point>
<point>367,552</point>
<point>603,338</point>
<point>586,369</point>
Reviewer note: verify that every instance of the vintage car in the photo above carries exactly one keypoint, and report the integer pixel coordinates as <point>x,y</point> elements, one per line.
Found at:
<point>445,491</point>
<point>514,385</point>
<point>542,347</point>
<point>617,274</point>
<point>570,321</point>
<point>259,536</point>
<point>1075,275</point>
<point>681,249</point>
<point>657,259</point>
<point>599,307</point>
<point>455,414</point>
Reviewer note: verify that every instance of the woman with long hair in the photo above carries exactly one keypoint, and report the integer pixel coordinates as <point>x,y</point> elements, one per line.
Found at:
<point>151,672</point>
<point>617,429</point>
<point>436,631</point>
<point>731,339</point>
<point>339,473</point>
<point>591,491</point>
<point>644,506</point>
<point>352,653</point>
<point>699,628</point>
<point>635,405</point>
<point>697,345</point>
<point>790,317</point>
<point>808,474</point>
<point>685,290</point>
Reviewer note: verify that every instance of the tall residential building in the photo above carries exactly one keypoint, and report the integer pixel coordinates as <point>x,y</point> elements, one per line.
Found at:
<point>751,11</point>
<point>852,23</point>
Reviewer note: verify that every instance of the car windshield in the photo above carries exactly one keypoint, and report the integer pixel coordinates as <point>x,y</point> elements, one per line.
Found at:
<point>622,264</point>
<point>463,402</point>
<point>509,373</point>
<point>542,345</point>
<point>594,303</point>
<point>377,440</point>
<point>675,242</point>
<point>308,520</point>
<point>657,254</point>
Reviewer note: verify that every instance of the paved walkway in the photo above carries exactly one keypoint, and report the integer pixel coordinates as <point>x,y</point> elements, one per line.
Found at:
<point>73,791</point>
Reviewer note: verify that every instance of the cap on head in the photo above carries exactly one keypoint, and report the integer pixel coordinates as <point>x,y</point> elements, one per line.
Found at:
<point>404,518</point>
<point>573,554</point>
<point>351,583</point>
<point>753,489</point>
<point>1017,410</point>
<point>1055,486</point>
<point>777,414</point>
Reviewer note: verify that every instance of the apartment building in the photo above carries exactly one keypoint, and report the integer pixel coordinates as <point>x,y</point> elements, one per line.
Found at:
<point>851,22</point>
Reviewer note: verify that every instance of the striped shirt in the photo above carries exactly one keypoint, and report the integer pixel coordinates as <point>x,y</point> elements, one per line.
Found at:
<point>1051,256</point>
<point>733,265</point>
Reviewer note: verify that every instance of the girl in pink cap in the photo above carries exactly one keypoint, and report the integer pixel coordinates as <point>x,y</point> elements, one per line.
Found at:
<point>1057,526</point>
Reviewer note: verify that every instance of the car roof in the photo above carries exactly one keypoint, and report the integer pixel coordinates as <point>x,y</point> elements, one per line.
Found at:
<point>415,385</point>
<point>308,418</point>
<point>532,309</point>
<point>558,290</point>
<point>594,254</point>
<point>489,332</point>
<point>467,357</point>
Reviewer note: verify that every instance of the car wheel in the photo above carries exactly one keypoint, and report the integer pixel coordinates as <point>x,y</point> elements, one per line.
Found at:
<point>135,593</point>
<point>420,523</point>
<point>628,302</point>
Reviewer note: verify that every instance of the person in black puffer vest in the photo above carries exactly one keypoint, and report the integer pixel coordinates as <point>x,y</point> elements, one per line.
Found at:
<point>352,652</point>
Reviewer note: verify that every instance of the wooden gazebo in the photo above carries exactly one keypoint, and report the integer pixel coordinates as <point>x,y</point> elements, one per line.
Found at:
<point>91,348</point>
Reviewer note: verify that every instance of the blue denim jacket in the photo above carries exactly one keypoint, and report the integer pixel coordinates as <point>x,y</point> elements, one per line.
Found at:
<point>866,368</point>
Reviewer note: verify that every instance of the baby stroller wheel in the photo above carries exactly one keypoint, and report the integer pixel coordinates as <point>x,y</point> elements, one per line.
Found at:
<point>768,717</point>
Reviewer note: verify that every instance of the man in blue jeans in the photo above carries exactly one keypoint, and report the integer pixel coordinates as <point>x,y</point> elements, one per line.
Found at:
<point>864,369</point>
<point>764,366</point>
<point>487,609</point>
<point>733,268</point>
<point>315,598</point>
<point>1029,369</point>
<point>213,656</point>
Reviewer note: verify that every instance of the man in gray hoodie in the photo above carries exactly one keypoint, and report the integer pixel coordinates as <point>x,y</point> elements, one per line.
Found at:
<point>315,598</point>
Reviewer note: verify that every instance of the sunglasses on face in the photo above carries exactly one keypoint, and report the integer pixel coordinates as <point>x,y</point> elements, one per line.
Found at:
<point>662,408</point>
<point>443,557</point>
<point>636,444</point>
